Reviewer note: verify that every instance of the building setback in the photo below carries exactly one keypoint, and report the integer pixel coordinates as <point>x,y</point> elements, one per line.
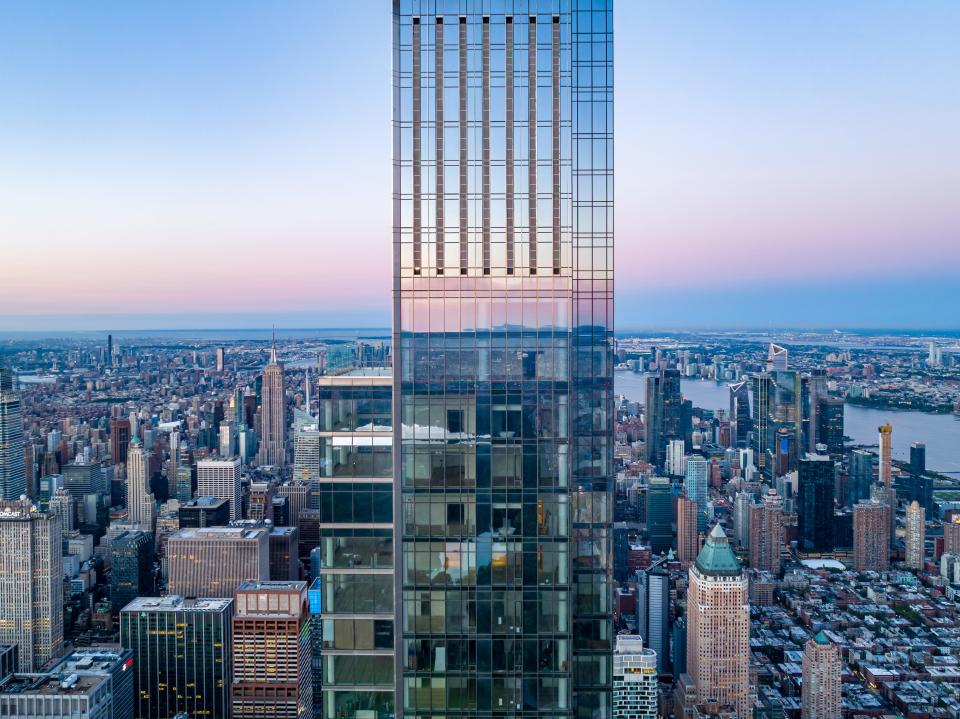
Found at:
<point>718,627</point>
<point>31,583</point>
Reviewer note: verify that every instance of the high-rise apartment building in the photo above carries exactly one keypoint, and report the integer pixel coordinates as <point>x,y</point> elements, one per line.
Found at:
<point>829,427</point>
<point>860,475</point>
<point>141,506</point>
<point>272,677</point>
<point>741,420</point>
<point>951,535</point>
<point>688,545</point>
<point>220,478</point>
<point>915,527</point>
<point>820,693</point>
<point>273,414</point>
<point>12,473</point>
<point>718,627</point>
<point>871,536</point>
<point>31,583</point>
<point>657,620</point>
<point>634,679</point>
<point>182,656</point>
<point>503,209</point>
<point>695,481</point>
<point>815,503</point>
<point>886,455</point>
<point>676,463</point>
<point>766,533</point>
<point>355,557</point>
<point>212,562</point>
<point>741,519</point>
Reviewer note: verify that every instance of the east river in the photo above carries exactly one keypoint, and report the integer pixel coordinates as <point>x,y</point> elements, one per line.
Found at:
<point>940,432</point>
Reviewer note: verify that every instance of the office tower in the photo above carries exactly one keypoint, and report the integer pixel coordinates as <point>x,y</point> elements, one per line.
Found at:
<point>219,359</point>
<point>12,472</point>
<point>762,386</point>
<point>766,533</point>
<point>815,504</point>
<point>695,485</point>
<point>273,430</point>
<point>63,506</point>
<point>354,497</point>
<point>741,518</point>
<point>662,410</point>
<point>204,512</point>
<point>871,536</point>
<point>951,535</point>
<point>634,679</point>
<point>888,496</point>
<point>741,420</point>
<point>131,567</point>
<point>718,627</point>
<point>915,535</point>
<point>659,514</point>
<point>676,458</point>
<point>658,616</point>
<point>860,475</point>
<point>776,358</point>
<point>299,496</point>
<point>227,439</point>
<point>182,655</point>
<point>55,696</point>
<point>272,677</point>
<point>815,385</point>
<point>820,696</point>
<point>119,440</point>
<point>211,562</point>
<point>934,355</point>
<point>141,505</point>
<point>31,583</point>
<point>112,664</point>
<point>886,455</point>
<point>220,478</point>
<point>503,350</point>
<point>688,544</point>
<point>306,453</point>
<point>829,428</point>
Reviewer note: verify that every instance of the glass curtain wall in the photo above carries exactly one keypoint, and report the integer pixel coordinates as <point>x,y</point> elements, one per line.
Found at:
<point>503,322</point>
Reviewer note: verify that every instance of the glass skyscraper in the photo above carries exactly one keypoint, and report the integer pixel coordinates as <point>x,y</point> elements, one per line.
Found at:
<point>503,333</point>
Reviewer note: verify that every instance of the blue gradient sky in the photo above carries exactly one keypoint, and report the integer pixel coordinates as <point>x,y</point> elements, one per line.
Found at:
<point>777,163</point>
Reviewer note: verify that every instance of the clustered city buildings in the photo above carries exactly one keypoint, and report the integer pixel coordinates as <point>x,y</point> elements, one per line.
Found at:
<point>462,520</point>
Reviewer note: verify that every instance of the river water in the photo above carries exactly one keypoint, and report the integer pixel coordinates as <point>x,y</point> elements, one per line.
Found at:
<point>940,432</point>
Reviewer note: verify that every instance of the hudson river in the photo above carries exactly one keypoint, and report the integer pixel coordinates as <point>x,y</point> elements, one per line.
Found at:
<point>940,432</point>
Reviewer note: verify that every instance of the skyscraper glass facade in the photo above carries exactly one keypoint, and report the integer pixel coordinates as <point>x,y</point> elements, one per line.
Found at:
<point>503,320</point>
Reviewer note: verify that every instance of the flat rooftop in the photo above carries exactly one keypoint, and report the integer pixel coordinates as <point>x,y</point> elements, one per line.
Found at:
<point>220,533</point>
<point>50,684</point>
<point>282,586</point>
<point>176,603</point>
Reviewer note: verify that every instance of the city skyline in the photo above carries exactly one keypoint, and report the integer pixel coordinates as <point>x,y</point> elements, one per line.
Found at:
<point>197,148</point>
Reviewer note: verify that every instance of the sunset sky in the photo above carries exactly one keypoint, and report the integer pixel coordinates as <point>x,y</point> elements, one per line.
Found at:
<point>227,164</point>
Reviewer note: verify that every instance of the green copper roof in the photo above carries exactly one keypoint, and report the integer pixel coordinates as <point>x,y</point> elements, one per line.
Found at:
<point>717,558</point>
<point>821,638</point>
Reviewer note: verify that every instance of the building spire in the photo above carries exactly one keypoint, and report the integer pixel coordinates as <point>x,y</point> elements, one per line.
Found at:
<point>273,348</point>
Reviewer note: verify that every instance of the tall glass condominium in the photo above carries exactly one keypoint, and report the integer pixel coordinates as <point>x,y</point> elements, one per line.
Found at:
<point>503,329</point>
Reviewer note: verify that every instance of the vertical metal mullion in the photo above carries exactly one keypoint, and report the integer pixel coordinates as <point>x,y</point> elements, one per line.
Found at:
<point>508,142</point>
<point>485,181</point>
<point>464,257</point>
<point>438,123</point>
<point>532,142</point>
<point>417,222</point>
<point>556,143</point>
